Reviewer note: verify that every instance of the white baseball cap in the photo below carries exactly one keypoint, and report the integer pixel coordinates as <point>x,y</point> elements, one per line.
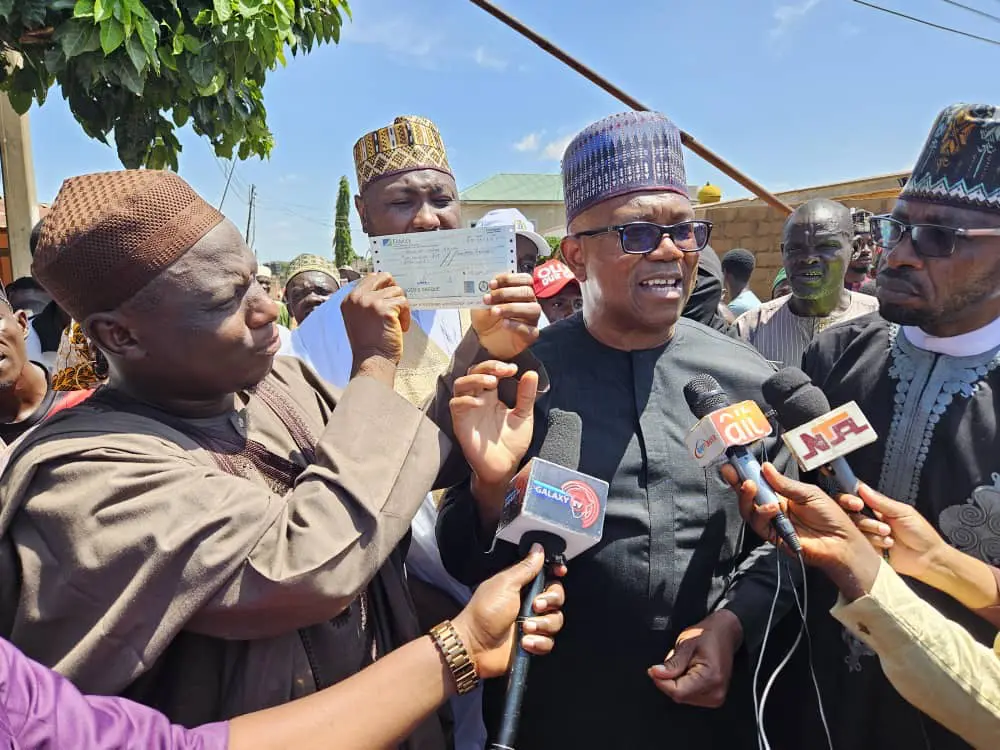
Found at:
<point>264,272</point>
<point>505,217</point>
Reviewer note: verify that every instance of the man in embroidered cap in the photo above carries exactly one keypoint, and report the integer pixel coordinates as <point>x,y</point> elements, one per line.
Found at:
<point>670,569</point>
<point>216,530</point>
<point>406,185</point>
<point>312,280</point>
<point>925,372</point>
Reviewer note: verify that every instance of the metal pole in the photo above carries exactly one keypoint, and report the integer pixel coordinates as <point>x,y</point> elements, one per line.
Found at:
<point>716,161</point>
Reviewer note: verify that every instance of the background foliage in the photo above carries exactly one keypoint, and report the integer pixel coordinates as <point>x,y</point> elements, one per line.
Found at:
<point>124,65</point>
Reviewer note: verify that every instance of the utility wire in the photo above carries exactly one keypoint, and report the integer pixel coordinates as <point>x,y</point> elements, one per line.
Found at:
<point>229,179</point>
<point>927,23</point>
<point>978,12</point>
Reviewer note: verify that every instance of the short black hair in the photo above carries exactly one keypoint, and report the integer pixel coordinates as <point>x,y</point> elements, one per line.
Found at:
<point>36,232</point>
<point>25,283</point>
<point>739,264</point>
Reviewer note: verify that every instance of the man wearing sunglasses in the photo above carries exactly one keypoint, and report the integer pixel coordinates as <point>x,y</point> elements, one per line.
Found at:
<point>926,372</point>
<point>670,569</point>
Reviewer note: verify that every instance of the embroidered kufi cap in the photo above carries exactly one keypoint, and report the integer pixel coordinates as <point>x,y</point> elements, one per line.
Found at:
<point>409,144</point>
<point>960,163</point>
<point>621,154</point>
<point>304,263</point>
<point>111,233</point>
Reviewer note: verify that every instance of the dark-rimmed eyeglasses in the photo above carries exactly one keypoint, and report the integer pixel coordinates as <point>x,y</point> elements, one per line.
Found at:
<point>929,240</point>
<point>642,237</point>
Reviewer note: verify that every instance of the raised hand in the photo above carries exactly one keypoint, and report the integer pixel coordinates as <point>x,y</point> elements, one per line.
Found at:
<point>486,625</point>
<point>376,314</point>
<point>510,324</point>
<point>912,542</point>
<point>493,437</point>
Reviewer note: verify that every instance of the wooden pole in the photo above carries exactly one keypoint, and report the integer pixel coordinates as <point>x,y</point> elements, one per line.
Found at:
<point>711,157</point>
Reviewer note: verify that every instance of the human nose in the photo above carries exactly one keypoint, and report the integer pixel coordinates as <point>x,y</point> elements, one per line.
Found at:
<point>426,219</point>
<point>904,254</point>
<point>261,311</point>
<point>666,250</point>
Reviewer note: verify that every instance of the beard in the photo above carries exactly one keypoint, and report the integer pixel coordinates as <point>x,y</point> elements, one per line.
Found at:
<point>954,308</point>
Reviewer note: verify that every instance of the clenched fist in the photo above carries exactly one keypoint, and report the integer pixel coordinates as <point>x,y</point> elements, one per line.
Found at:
<point>376,314</point>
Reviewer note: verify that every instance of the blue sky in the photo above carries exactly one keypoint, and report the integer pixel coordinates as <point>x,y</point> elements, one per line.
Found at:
<point>794,92</point>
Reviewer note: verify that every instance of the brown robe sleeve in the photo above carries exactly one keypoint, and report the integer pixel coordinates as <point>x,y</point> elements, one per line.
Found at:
<point>126,537</point>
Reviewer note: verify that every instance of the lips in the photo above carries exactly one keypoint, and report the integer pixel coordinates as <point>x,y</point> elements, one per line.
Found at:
<point>273,344</point>
<point>897,286</point>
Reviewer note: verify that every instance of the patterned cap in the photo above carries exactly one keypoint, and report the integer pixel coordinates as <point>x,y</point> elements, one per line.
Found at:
<point>621,154</point>
<point>305,263</point>
<point>409,144</point>
<point>109,234</point>
<point>960,163</point>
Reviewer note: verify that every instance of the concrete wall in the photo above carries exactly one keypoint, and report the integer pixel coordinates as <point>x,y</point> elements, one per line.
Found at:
<point>758,228</point>
<point>548,218</point>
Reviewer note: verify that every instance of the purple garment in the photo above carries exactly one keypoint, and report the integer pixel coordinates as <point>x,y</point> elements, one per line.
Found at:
<point>41,710</point>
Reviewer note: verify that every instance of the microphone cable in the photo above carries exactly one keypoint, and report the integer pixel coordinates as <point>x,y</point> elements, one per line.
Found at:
<point>803,609</point>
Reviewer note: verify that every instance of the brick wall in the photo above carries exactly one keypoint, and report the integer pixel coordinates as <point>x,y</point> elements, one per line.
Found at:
<point>758,228</point>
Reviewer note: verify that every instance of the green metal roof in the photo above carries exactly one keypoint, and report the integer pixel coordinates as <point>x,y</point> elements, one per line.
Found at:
<point>517,188</point>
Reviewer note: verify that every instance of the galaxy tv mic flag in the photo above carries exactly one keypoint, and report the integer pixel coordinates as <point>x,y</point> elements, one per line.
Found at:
<point>562,509</point>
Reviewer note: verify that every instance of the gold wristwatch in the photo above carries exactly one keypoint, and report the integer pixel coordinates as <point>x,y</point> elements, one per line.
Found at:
<point>463,669</point>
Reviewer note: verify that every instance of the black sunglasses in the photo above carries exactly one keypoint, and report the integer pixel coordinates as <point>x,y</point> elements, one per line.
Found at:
<point>641,237</point>
<point>929,240</point>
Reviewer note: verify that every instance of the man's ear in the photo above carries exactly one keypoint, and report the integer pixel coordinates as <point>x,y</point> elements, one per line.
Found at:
<point>359,204</point>
<point>112,333</point>
<point>571,249</point>
<point>23,323</point>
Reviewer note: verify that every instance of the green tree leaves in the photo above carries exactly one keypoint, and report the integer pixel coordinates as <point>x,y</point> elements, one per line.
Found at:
<point>122,65</point>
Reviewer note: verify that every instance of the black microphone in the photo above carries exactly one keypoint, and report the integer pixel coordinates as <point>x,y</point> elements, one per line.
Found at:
<point>550,503</point>
<point>705,397</point>
<point>819,437</point>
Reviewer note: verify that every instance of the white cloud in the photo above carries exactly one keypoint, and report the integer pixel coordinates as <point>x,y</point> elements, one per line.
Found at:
<point>485,60</point>
<point>786,16</point>
<point>401,37</point>
<point>554,151</point>
<point>849,29</point>
<point>530,142</point>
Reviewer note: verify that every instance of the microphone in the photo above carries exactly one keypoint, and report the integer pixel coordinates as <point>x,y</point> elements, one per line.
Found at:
<point>724,427</point>
<point>563,510</point>
<point>819,437</point>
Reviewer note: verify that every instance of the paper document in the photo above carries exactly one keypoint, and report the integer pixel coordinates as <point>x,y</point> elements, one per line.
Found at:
<point>450,269</point>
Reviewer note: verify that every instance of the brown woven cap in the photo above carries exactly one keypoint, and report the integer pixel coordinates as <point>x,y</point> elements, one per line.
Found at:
<point>111,233</point>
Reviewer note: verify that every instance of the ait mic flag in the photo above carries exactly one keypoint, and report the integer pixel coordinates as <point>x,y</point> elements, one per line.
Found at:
<point>738,424</point>
<point>830,436</point>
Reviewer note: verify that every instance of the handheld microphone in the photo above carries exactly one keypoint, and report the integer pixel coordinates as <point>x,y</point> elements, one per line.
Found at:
<point>551,503</point>
<point>724,427</point>
<point>819,437</point>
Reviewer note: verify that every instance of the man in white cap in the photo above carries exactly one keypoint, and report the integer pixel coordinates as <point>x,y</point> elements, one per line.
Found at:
<point>530,244</point>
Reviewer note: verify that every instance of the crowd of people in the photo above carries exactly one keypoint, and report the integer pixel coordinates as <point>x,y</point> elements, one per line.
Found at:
<point>229,521</point>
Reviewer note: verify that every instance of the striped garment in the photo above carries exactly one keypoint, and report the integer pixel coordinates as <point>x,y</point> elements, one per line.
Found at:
<point>783,337</point>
